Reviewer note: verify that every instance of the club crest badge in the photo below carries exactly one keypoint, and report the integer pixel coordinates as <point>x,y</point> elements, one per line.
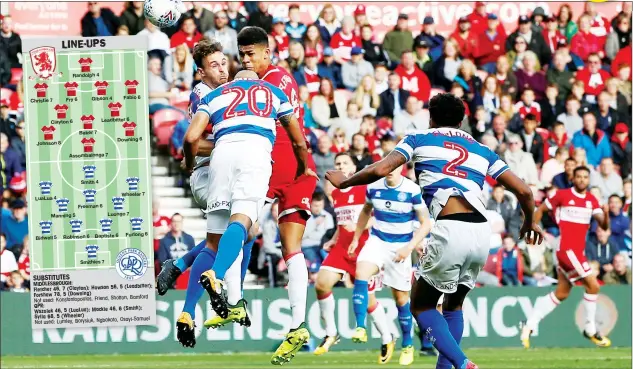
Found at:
<point>43,61</point>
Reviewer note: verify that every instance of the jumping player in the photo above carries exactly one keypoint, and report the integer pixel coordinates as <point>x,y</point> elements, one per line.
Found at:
<point>451,167</point>
<point>348,205</point>
<point>396,202</point>
<point>243,115</point>
<point>293,193</point>
<point>574,208</point>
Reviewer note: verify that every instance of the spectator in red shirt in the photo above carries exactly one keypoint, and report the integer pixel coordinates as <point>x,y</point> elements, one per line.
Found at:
<point>593,77</point>
<point>622,58</point>
<point>24,260</point>
<point>339,141</point>
<point>490,45</point>
<point>161,224</point>
<point>281,37</point>
<point>465,38</point>
<point>312,41</point>
<point>600,26</point>
<point>188,34</point>
<point>413,79</point>
<point>585,42</point>
<point>344,40</point>
<point>478,19</point>
<point>551,33</point>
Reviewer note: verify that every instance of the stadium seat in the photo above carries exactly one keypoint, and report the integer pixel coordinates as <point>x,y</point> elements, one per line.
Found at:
<point>163,124</point>
<point>16,75</point>
<point>164,116</point>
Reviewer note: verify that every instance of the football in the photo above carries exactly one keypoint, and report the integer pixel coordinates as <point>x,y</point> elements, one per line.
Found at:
<point>163,13</point>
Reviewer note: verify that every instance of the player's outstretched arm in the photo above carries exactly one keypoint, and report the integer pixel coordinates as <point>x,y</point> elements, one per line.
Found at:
<point>369,174</point>
<point>299,145</point>
<point>530,230</point>
<point>192,137</point>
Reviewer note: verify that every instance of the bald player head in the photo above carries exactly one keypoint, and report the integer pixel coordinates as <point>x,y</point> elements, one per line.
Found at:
<point>246,74</point>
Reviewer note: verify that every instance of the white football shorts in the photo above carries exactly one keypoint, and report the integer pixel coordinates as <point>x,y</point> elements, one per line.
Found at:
<point>396,275</point>
<point>238,181</point>
<point>454,255</point>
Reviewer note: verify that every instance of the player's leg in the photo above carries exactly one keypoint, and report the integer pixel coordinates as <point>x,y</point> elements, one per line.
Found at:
<point>452,312</point>
<point>546,304</point>
<point>325,281</point>
<point>185,323</point>
<point>364,271</point>
<point>592,289</point>
<point>455,252</point>
<point>379,317</point>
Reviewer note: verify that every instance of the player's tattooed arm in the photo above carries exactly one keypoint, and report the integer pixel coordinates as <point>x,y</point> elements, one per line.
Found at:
<point>192,138</point>
<point>530,230</point>
<point>299,145</point>
<point>369,174</point>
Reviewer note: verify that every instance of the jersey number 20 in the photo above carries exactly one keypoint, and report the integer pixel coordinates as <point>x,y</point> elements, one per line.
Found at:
<point>451,167</point>
<point>235,110</point>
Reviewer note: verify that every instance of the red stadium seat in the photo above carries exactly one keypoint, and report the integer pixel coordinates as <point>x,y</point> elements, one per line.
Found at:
<point>182,105</point>
<point>16,75</point>
<point>163,126</point>
<point>165,116</point>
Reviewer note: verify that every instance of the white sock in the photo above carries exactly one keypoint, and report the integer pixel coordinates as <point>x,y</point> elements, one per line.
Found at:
<point>543,306</point>
<point>326,305</point>
<point>379,318</point>
<point>233,281</point>
<point>589,302</point>
<point>297,288</point>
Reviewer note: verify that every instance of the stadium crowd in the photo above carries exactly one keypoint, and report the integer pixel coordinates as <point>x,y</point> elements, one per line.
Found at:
<point>549,95</point>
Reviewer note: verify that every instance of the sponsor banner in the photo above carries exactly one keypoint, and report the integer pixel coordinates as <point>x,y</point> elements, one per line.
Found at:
<point>64,18</point>
<point>491,317</point>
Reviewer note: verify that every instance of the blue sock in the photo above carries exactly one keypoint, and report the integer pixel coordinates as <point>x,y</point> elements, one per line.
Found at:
<point>229,248</point>
<point>455,321</point>
<point>360,299</point>
<point>203,262</point>
<point>187,259</point>
<point>246,259</point>
<point>406,324</point>
<point>434,325</point>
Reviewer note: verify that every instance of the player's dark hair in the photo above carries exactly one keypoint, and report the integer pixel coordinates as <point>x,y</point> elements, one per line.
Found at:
<point>318,196</point>
<point>446,110</point>
<point>252,35</point>
<point>203,48</point>
<point>581,168</point>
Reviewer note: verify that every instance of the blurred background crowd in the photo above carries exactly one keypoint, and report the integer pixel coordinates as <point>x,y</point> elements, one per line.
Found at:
<point>550,93</point>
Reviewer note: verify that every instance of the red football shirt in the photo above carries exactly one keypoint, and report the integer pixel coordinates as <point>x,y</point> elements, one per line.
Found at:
<point>348,204</point>
<point>129,128</point>
<point>61,111</point>
<point>71,88</point>
<point>342,45</point>
<point>160,221</point>
<point>573,212</point>
<point>131,86</point>
<point>87,121</point>
<point>415,81</point>
<point>115,108</point>
<point>41,89</point>
<point>24,263</point>
<point>524,110</point>
<point>85,64</point>
<point>48,132</point>
<point>88,144</point>
<point>101,87</point>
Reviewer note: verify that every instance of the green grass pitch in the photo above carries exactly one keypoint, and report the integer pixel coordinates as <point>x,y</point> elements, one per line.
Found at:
<point>594,358</point>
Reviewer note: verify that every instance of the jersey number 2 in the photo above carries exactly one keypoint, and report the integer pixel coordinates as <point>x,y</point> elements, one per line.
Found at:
<point>451,167</point>
<point>234,110</point>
